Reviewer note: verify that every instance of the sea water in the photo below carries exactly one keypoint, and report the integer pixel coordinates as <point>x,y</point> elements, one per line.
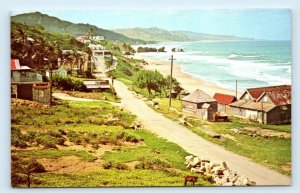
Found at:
<point>251,63</point>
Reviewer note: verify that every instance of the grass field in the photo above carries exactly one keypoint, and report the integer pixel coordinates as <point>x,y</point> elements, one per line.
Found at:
<point>80,147</point>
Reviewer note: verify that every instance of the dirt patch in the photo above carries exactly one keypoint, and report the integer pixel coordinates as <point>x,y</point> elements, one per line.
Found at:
<point>131,165</point>
<point>68,164</point>
<point>20,102</point>
<point>267,133</point>
<point>287,167</point>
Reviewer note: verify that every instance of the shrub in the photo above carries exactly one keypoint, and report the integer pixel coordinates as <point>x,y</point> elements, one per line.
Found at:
<point>126,71</point>
<point>46,140</point>
<point>155,164</point>
<point>54,133</point>
<point>107,165</point>
<point>120,166</point>
<point>66,83</point>
<point>74,137</point>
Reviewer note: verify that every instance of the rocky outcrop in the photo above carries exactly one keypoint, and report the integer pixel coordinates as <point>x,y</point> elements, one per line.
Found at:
<point>219,173</point>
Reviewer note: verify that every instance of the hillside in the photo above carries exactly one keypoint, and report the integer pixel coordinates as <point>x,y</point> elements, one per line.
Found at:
<point>153,34</point>
<point>54,24</point>
<point>160,35</point>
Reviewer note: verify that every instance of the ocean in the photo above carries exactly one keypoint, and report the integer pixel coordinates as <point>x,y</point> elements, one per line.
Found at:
<point>252,63</point>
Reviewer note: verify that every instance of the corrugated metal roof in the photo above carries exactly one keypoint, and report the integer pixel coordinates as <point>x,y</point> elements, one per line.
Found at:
<point>257,92</point>
<point>257,106</point>
<point>280,97</point>
<point>224,98</point>
<point>198,96</point>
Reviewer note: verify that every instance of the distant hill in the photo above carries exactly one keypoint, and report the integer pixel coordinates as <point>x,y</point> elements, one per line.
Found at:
<point>54,24</point>
<point>155,34</point>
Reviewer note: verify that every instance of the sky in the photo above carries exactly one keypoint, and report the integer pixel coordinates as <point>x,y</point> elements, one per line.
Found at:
<point>267,24</point>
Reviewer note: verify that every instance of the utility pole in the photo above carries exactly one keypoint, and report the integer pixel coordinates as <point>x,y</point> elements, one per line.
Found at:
<point>262,113</point>
<point>51,83</point>
<point>171,81</point>
<point>236,89</point>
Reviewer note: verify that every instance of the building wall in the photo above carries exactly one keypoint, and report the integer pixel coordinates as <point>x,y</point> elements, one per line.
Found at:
<point>26,76</point>
<point>42,94</point>
<point>279,116</point>
<point>246,97</point>
<point>195,110</point>
<point>24,91</point>
<point>221,107</point>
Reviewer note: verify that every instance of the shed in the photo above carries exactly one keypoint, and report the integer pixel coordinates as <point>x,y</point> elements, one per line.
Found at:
<point>200,105</point>
<point>223,102</point>
<point>97,85</point>
<point>273,106</point>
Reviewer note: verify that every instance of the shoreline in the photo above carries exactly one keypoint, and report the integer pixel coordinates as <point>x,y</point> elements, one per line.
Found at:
<point>187,81</point>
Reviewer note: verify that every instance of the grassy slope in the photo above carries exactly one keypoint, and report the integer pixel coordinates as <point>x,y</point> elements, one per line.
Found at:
<point>66,117</point>
<point>271,152</point>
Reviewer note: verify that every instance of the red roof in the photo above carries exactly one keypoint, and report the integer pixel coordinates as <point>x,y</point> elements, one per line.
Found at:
<point>14,64</point>
<point>224,98</point>
<point>257,92</point>
<point>280,97</point>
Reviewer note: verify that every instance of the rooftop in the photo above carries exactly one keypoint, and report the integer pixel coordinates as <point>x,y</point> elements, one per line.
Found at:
<point>224,98</point>
<point>257,106</point>
<point>198,96</point>
<point>279,97</point>
<point>257,92</point>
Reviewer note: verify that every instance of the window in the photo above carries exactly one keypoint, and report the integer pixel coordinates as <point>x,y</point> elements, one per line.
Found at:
<point>284,108</point>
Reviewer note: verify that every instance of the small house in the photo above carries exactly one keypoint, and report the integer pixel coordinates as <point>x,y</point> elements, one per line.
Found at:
<point>268,105</point>
<point>28,85</point>
<point>23,73</point>
<point>60,72</point>
<point>200,105</point>
<point>223,102</point>
<point>97,85</point>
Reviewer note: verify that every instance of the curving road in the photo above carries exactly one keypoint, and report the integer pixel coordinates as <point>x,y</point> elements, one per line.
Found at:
<point>195,144</point>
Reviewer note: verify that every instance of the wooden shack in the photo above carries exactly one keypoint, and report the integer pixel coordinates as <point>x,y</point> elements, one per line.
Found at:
<point>268,105</point>
<point>223,102</point>
<point>200,105</point>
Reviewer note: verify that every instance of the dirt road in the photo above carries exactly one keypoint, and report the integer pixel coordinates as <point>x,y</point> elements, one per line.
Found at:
<point>195,144</point>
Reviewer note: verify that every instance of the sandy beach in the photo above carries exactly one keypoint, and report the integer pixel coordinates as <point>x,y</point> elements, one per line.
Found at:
<point>188,82</point>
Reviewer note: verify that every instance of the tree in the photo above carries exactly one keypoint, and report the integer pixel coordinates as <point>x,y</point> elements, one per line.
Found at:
<point>21,169</point>
<point>175,85</point>
<point>151,80</point>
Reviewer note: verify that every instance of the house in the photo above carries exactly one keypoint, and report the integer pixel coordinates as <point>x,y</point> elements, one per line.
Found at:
<point>97,38</point>
<point>27,84</point>
<point>223,102</point>
<point>97,85</point>
<point>96,47</point>
<point>23,73</point>
<point>83,39</point>
<point>254,93</point>
<point>268,105</point>
<point>61,72</point>
<point>200,105</point>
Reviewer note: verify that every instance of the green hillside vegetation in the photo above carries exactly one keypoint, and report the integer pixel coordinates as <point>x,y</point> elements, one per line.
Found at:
<point>40,49</point>
<point>54,24</point>
<point>155,34</point>
<point>89,150</point>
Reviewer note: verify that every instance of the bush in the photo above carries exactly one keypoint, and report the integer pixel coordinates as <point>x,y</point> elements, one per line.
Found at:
<point>107,165</point>
<point>120,166</point>
<point>126,71</point>
<point>66,83</point>
<point>155,164</point>
<point>46,140</point>
<point>74,137</point>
